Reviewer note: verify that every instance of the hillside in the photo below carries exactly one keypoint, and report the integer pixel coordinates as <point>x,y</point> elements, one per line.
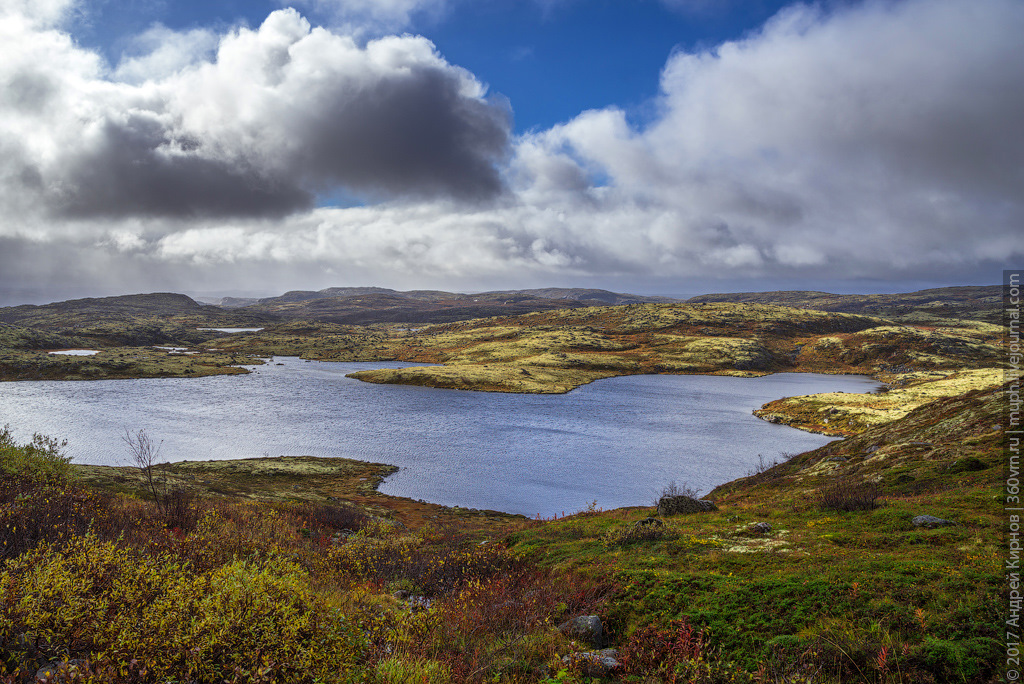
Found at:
<point>103,316</point>
<point>841,584</point>
<point>367,305</point>
<point>966,302</point>
<point>123,331</point>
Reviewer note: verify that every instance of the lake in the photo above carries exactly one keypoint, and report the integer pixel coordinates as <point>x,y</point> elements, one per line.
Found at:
<point>616,441</point>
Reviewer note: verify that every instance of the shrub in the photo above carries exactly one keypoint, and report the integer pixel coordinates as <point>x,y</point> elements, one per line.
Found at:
<point>672,490</point>
<point>332,516</point>
<point>181,510</point>
<point>379,554</point>
<point>849,495</point>
<point>398,671</point>
<point>42,459</point>
<point>677,653</point>
<point>649,529</point>
<point>966,465</point>
<point>249,620</point>
<point>760,472</point>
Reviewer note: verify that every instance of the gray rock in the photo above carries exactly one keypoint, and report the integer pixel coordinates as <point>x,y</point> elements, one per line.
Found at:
<point>931,522</point>
<point>595,663</point>
<point>649,522</point>
<point>49,672</point>
<point>761,528</point>
<point>838,459</point>
<point>584,627</point>
<point>671,505</point>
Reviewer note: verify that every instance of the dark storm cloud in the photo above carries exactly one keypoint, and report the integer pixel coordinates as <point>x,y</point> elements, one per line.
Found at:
<point>279,115</point>
<point>134,172</point>
<point>417,133</point>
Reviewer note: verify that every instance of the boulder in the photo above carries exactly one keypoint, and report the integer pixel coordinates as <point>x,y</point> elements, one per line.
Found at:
<point>48,673</point>
<point>594,663</point>
<point>761,528</point>
<point>671,505</point>
<point>585,628</point>
<point>931,522</point>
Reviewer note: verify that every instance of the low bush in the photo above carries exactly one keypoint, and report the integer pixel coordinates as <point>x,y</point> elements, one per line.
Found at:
<point>849,495</point>
<point>649,529</point>
<point>41,459</point>
<point>331,516</point>
<point>677,653</point>
<point>109,603</point>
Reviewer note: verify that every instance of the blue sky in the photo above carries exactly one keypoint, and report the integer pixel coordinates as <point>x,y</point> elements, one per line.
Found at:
<point>653,146</point>
<point>551,60</point>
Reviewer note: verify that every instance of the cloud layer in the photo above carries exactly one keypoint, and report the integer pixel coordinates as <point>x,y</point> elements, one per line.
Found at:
<point>276,116</point>
<point>880,141</point>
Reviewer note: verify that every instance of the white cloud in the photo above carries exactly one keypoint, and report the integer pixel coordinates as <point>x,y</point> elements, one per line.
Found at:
<point>161,52</point>
<point>37,13</point>
<point>280,114</point>
<point>880,141</point>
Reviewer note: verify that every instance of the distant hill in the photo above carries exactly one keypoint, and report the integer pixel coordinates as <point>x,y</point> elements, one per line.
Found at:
<point>978,302</point>
<point>89,312</point>
<point>364,305</point>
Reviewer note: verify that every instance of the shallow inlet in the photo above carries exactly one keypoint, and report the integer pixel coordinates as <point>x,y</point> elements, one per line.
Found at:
<point>616,441</point>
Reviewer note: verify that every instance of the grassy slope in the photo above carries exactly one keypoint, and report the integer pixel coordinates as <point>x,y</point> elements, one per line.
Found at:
<point>825,591</point>
<point>290,478</point>
<point>844,414</point>
<point>838,585</point>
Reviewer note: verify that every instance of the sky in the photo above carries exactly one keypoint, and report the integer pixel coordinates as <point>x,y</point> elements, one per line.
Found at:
<point>649,146</point>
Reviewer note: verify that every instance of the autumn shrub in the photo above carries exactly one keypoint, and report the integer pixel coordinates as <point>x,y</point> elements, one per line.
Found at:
<point>383,555</point>
<point>331,516</point>
<point>42,459</point>
<point>399,671</point>
<point>677,653</point>
<point>225,531</point>
<point>33,512</point>
<point>498,629</point>
<point>115,605</point>
<point>849,495</point>
<point>181,510</point>
<point>649,529</point>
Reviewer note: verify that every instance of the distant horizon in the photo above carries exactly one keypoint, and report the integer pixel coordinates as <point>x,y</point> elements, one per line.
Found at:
<point>9,299</point>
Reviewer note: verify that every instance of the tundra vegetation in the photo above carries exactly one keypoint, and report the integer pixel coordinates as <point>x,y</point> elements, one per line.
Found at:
<point>297,570</point>
<point>816,567</point>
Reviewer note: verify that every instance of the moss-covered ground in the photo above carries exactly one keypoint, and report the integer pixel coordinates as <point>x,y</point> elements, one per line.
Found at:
<point>296,570</point>
<point>119,363</point>
<point>555,351</point>
<point>295,479</point>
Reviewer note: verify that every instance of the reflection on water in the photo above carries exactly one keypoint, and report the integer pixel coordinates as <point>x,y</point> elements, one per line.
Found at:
<point>232,330</point>
<point>615,441</point>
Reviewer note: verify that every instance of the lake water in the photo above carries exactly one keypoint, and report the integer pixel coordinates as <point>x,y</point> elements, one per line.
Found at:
<point>616,441</point>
